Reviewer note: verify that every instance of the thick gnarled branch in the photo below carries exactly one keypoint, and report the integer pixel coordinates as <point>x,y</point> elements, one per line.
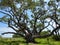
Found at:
<point>13,33</point>
<point>9,33</point>
<point>47,35</point>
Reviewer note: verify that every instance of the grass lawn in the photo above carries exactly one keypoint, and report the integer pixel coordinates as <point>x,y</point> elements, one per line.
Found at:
<point>21,41</point>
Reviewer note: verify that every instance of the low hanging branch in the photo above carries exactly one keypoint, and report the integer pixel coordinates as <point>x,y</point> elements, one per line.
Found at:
<point>13,33</point>
<point>9,33</point>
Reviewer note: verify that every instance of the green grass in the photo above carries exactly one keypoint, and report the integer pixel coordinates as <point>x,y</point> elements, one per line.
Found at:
<point>21,41</point>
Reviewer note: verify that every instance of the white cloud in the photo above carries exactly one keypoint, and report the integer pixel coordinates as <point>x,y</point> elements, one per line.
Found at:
<point>47,1</point>
<point>6,29</point>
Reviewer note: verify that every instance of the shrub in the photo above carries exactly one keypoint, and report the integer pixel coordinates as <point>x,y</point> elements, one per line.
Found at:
<point>56,37</point>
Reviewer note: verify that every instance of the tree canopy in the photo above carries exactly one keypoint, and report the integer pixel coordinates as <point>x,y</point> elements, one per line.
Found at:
<point>30,25</point>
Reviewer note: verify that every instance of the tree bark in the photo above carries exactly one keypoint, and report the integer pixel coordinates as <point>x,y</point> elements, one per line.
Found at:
<point>30,39</point>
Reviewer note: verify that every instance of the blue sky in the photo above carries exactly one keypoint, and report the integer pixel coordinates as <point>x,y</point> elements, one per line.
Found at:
<point>4,28</point>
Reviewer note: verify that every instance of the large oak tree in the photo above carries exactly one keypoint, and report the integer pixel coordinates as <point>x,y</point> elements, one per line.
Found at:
<point>29,18</point>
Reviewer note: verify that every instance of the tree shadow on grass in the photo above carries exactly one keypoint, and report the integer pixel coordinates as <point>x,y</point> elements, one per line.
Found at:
<point>12,42</point>
<point>19,42</point>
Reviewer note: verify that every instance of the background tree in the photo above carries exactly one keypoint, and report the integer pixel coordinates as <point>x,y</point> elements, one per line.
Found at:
<point>30,26</point>
<point>16,36</point>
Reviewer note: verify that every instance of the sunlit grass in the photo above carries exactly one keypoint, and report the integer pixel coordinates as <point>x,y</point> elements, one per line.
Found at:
<point>21,41</point>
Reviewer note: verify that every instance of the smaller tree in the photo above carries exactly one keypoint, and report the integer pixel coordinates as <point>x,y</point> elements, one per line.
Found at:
<point>16,36</point>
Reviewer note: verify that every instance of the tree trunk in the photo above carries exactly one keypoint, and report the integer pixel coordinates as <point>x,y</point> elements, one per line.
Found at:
<point>30,39</point>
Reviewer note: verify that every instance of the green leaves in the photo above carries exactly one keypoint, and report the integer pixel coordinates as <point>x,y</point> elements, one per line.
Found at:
<point>57,0</point>
<point>6,3</point>
<point>4,19</point>
<point>50,3</point>
<point>39,25</point>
